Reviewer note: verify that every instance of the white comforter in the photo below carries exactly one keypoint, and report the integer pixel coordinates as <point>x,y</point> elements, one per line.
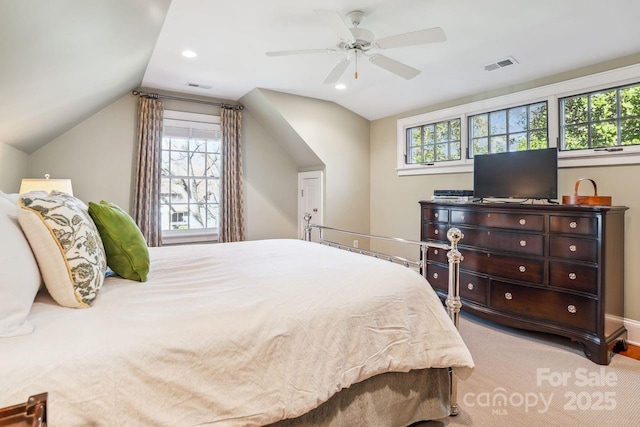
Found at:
<point>234,334</point>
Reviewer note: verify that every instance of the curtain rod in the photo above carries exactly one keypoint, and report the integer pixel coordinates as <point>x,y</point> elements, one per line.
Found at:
<point>177,98</point>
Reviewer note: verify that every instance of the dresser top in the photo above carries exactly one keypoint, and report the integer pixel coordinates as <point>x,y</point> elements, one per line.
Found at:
<point>519,206</point>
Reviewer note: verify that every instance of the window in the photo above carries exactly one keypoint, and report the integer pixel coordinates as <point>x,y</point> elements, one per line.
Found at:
<point>190,181</point>
<point>601,119</point>
<point>512,129</point>
<point>436,142</point>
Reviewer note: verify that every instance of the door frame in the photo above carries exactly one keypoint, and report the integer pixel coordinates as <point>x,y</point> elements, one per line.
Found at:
<point>319,221</point>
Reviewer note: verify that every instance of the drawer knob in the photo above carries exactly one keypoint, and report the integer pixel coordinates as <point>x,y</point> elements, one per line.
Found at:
<point>573,224</point>
<point>572,309</point>
<point>572,276</point>
<point>462,217</point>
<point>522,269</point>
<point>507,295</point>
<point>435,232</point>
<point>573,248</point>
<point>470,286</point>
<point>435,252</point>
<point>523,221</point>
<point>435,275</point>
<point>523,243</point>
<point>436,215</point>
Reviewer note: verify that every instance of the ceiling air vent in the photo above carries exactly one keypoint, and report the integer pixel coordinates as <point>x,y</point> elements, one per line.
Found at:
<point>199,86</point>
<point>500,64</point>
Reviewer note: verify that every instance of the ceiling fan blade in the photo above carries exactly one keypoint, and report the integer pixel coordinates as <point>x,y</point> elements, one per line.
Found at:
<point>391,65</point>
<point>332,19</point>
<point>337,71</point>
<point>301,52</point>
<point>429,35</point>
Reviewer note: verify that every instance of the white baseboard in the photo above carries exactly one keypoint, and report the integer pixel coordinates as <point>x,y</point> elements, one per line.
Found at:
<point>633,329</point>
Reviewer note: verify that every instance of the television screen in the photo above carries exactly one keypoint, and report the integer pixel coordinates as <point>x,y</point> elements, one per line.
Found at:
<point>531,174</point>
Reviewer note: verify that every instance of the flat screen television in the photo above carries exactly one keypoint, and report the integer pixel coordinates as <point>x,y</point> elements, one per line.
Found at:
<point>531,174</point>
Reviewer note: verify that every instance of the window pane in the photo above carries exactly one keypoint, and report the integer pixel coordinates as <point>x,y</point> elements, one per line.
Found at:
<point>456,151</point>
<point>197,190</point>
<point>576,138</point>
<point>414,135</point>
<point>179,163</point>
<point>498,144</point>
<point>603,106</point>
<point>498,121</point>
<point>442,132</point>
<point>199,145</point>
<point>455,130</point>
<point>538,116</point>
<point>480,146</point>
<point>442,152</point>
<point>479,125</point>
<point>197,164</point>
<point>213,165</point>
<point>415,155</point>
<point>178,217</point>
<point>428,136</point>
<point>630,101</point>
<point>213,146</point>
<point>575,110</point>
<point>212,215</point>
<point>518,142</point>
<point>518,120</point>
<point>630,132</point>
<point>213,190</point>
<point>196,217</point>
<point>538,140</point>
<point>179,144</point>
<point>165,166</point>
<point>429,155</point>
<point>179,187</point>
<point>604,134</point>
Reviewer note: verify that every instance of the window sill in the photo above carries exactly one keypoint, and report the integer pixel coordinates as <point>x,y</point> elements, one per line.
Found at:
<point>174,237</point>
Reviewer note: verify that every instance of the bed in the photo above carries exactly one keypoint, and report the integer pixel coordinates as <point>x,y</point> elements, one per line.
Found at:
<point>282,332</point>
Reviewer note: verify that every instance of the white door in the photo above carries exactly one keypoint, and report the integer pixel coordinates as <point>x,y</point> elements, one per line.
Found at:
<point>310,199</point>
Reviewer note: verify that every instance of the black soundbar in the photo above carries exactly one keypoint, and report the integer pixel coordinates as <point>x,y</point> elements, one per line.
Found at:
<point>453,193</point>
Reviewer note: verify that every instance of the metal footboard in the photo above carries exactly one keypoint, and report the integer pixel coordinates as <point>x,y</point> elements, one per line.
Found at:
<point>454,257</point>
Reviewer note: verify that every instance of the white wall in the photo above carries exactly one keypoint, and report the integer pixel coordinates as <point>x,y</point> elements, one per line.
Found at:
<point>13,167</point>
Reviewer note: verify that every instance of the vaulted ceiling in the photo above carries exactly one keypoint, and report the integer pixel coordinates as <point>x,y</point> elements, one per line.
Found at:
<point>63,60</point>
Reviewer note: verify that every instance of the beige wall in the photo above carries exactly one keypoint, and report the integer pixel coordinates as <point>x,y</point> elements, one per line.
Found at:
<point>99,155</point>
<point>395,210</point>
<point>13,167</point>
<point>340,138</point>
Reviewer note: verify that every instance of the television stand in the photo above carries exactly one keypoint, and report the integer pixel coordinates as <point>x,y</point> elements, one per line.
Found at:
<point>550,268</point>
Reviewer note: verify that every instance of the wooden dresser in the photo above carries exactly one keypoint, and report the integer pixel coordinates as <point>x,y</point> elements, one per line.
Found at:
<point>551,268</point>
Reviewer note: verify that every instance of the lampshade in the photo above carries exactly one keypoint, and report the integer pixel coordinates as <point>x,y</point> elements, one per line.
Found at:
<point>46,184</point>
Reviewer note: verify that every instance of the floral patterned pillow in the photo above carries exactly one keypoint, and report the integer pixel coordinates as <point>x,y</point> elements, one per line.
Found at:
<point>67,246</point>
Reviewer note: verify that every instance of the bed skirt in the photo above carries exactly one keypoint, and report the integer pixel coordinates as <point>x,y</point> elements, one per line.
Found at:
<point>394,399</point>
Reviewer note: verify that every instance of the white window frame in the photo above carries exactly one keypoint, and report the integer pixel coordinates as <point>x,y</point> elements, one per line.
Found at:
<point>550,93</point>
<point>196,121</point>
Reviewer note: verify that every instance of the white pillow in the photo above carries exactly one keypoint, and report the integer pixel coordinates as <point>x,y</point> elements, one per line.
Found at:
<point>13,198</point>
<point>66,244</point>
<point>19,277</point>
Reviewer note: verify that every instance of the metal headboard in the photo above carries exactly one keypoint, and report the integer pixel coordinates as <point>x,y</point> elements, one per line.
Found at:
<point>452,302</point>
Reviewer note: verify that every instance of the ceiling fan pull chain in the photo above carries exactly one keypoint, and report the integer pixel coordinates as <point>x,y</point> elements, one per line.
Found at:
<point>356,73</point>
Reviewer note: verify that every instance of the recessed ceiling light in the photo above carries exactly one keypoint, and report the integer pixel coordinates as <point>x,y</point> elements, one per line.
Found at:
<point>189,54</point>
<point>341,86</point>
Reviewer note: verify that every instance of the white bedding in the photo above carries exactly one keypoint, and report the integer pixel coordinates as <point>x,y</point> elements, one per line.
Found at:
<point>234,334</point>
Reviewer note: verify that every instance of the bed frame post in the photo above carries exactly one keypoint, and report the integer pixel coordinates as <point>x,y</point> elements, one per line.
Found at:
<point>307,227</point>
<point>453,301</point>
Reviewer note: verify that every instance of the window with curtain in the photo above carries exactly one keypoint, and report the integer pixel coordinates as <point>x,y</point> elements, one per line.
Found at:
<point>190,177</point>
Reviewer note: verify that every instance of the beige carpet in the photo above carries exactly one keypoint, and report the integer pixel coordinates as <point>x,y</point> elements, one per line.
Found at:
<point>530,379</point>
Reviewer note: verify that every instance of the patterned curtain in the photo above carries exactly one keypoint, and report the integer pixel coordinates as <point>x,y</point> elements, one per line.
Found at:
<point>146,199</point>
<point>231,213</point>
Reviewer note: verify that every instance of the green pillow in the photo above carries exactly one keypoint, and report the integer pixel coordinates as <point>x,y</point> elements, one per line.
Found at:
<point>124,244</point>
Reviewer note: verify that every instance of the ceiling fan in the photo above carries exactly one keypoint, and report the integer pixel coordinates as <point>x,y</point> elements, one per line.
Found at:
<point>359,42</point>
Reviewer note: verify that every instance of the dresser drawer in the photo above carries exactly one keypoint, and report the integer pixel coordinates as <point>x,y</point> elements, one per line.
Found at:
<point>573,248</point>
<point>572,310</point>
<point>512,267</point>
<point>500,220</point>
<point>573,225</point>
<point>439,255</point>
<point>435,214</point>
<point>530,244</point>
<point>435,231</point>
<point>573,276</point>
<point>472,287</point>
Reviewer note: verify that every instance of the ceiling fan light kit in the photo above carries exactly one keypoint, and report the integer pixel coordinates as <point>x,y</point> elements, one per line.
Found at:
<point>356,41</point>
